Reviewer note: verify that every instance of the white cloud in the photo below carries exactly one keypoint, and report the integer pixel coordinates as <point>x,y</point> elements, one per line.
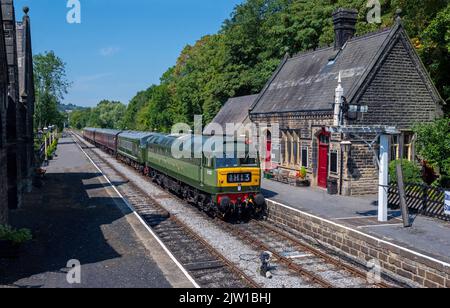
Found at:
<point>109,51</point>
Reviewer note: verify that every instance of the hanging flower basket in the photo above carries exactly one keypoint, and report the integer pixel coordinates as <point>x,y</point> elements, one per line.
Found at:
<point>11,241</point>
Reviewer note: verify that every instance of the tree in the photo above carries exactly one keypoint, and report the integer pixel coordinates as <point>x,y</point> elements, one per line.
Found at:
<point>79,119</point>
<point>433,145</point>
<point>434,48</point>
<point>241,57</point>
<point>51,85</point>
<point>107,114</point>
<point>135,106</point>
<point>155,115</point>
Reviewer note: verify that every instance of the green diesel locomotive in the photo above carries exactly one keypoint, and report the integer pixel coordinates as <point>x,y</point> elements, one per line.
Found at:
<point>217,181</point>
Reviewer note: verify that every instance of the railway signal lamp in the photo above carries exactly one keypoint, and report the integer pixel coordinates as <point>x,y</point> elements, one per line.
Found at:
<point>265,265</point>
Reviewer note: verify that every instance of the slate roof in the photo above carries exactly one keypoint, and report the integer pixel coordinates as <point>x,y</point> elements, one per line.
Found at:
<point>235,110</point>
<point>307,82</point>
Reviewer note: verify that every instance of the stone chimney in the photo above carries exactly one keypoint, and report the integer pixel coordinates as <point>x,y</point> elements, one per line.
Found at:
<point>344,26</point>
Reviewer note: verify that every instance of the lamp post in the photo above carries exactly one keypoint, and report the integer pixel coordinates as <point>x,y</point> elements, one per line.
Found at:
<point>346,147</point>
<point>45,143</point>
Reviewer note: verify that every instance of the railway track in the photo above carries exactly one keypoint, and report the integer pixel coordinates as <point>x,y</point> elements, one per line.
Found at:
<point>318,267</point>
<point>214,270</point>
<point>208,267</point>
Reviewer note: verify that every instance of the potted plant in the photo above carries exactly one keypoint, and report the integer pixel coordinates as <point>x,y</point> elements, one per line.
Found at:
<point>302,179</point>
<point>11,240</point>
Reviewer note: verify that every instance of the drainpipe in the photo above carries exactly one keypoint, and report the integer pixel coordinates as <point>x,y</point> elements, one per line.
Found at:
<point>342,168</point>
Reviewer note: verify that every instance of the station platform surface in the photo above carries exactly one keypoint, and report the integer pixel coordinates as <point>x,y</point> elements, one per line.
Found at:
<point>76,215</point>
<point>427,236</point>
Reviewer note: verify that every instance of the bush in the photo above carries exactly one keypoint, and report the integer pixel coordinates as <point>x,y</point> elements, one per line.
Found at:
<point>52,148</point>
<point>412,173</point>
<point>16,236</point>
<point>433,145</point>
<point>303,173</point>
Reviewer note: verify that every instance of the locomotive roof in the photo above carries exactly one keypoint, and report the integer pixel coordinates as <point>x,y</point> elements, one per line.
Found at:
<point>187,139</point>
<point>90,129</point>
<point>135,135</point>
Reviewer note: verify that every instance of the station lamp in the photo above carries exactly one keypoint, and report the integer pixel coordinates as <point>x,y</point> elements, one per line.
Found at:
<point>346,146</point>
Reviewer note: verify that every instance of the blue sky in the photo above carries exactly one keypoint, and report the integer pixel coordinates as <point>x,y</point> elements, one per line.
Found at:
<point>121,46</point>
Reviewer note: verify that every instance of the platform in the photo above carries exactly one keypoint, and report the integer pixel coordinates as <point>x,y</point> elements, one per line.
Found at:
<point>77,215</point>
<point>427,236</point>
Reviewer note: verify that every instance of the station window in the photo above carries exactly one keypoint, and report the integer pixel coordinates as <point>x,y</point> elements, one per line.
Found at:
<point>296,151</point>
<point>288,149</point>
<point>408,147</point>
<point>291,149</point>
<point>334,161</point>
<point>305,156</point>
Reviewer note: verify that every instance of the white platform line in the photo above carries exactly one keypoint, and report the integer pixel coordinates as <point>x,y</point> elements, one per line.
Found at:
<point>377,226</point>
<point>172,257</point>
<point>445,264</point>
<point>355,217</point>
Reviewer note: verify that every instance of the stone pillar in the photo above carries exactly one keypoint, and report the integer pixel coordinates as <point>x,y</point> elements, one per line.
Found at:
<point>27,96</point>
<point>15,111</point>
<point>3,143</point>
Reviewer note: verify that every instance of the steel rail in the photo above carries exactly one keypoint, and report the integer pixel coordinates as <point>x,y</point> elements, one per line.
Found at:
<point>214,252</point>
<point>350,269</point>
<point>257,243</point>
<point>287,262</point>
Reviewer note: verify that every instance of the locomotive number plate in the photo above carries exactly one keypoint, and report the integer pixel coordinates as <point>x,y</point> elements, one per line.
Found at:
<point>239,178</point>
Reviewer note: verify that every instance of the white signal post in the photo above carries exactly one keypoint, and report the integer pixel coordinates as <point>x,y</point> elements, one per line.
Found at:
<point>384,179</point>
<point>383,133</point>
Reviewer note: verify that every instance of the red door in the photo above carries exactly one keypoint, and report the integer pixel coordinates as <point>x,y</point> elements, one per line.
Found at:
<point>322,173</point>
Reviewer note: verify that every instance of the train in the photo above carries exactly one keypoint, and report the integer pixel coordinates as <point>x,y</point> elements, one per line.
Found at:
<point>220,184</point>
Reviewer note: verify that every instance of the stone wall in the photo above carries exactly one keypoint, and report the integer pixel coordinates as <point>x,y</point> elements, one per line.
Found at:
<point>399,93</point>
<point>396,262</point>
<point>16,113</point>
<point>3,110</point>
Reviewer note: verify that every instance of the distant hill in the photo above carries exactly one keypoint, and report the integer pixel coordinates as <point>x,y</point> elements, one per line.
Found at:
<point>69,107</point>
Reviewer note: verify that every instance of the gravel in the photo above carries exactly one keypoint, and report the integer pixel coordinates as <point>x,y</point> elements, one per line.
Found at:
<point>242,255</point>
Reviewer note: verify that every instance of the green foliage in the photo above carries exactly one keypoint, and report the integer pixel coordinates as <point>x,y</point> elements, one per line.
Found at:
<point>107,114</point>
<point>241,57</point>
<point>433,144</point>
<point>16,236</point>
<point>411,172</point>
<point>303,172</point>
<point>135,106</point>
<point>79,119</point>
<point>52,148</point>
<point>434,48</point>
<point>50,86</point>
